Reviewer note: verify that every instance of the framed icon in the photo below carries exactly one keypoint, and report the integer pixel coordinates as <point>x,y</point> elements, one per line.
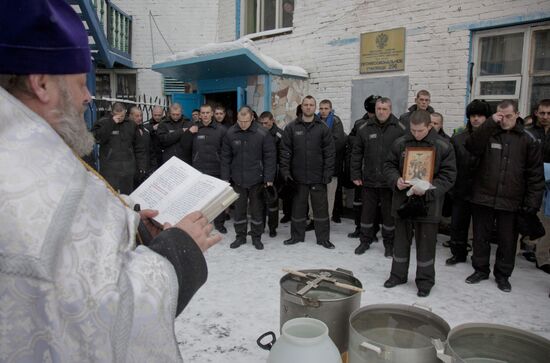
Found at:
<point>419,163</point>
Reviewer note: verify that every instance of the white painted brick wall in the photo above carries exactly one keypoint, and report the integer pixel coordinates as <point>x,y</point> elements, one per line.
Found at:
<point>436,59</point>
<point>186,24</point>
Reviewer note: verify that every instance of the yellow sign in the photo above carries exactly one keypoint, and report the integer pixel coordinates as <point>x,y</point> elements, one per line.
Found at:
<point>383,51</point>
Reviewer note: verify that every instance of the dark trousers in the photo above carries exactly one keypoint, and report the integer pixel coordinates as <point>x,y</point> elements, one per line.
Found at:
<point>251,198</point>
<point>286,195</point>
<point>425,235</point>
<point>372,197</point>
<point>483,219</point>
<point>124,184</point>
<point>460,224</point>
<point>319,204</point>
<point>272,214</point>
<point>357,206</point>
<point>338,201</point>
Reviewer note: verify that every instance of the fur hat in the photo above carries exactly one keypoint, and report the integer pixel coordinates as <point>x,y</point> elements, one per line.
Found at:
<point>478,107</point>
<point>370,103</point>
<point>42,37</point>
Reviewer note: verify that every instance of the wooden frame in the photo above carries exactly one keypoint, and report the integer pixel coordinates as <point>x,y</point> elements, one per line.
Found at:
<point>419,163</point>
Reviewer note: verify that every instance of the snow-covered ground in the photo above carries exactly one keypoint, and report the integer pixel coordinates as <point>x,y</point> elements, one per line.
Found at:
<point>240,300</point>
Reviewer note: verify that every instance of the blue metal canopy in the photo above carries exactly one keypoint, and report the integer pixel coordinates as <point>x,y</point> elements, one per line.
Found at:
<point>231,63</point>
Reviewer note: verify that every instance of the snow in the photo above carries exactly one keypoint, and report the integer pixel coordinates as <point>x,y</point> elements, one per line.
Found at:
<point>242,43</point>
<point>240,300</point>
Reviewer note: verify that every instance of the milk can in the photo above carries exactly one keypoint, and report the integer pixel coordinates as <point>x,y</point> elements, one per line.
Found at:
<point>303,340</point>
<point>328,295</point>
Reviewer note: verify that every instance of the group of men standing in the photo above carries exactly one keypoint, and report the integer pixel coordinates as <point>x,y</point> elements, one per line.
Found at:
<point>492,174</point>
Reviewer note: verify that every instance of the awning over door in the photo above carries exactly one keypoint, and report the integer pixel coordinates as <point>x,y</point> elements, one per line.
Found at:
<point>221,60</point>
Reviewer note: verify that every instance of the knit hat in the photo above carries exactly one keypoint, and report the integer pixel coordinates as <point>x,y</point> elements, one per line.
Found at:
<point>42,37</point>
<point>478,107</point>
<point>370,103</point>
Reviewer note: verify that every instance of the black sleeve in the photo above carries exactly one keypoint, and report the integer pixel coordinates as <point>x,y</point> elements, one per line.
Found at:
<point>328,155</point>
<point>269,158</point>
<point>102,129</point>
<point>391,165</point>
<point>534,177</point>
<point>226,158</point>
<point>356,158</point>
<point>477,142</point>
<point>167,138</point>
<point>188,261</point>
<point>286,152</point>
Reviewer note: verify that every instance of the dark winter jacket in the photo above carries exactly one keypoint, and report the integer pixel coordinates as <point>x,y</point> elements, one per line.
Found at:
<point>277,136</point>
<point>466,166</point>
<point>175,140</point>
<point>249,156</point>
<point>405,118</point>
<point>120,153</point>
<point>207,148</point>
<point>444,173</point>
<point>307,152</point>
<point>340,140</point>
<point>370,150</point>
<point>510,173</point>
<point>155,142</point>
<point>144,138</point>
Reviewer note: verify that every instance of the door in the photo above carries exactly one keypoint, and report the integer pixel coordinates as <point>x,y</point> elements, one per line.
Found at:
<point>188,101</point>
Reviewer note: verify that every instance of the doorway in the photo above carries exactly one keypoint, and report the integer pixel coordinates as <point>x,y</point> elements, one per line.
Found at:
<point>227,100</point>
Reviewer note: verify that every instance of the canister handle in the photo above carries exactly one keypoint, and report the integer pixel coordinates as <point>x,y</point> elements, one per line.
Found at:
<point>268,345</point>
<point>372,347</point>
<point>440,350</point>
<point>422,306</point>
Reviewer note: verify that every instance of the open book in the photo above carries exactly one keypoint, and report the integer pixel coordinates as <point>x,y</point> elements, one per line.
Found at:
<point>177,189</point>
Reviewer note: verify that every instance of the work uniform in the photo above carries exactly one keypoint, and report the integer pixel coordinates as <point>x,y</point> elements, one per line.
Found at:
<point>176,139</point>
<point>424,228</point>
<point>272,213</point>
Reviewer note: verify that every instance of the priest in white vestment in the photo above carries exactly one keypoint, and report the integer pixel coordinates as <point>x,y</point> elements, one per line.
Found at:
<point>73,285</point>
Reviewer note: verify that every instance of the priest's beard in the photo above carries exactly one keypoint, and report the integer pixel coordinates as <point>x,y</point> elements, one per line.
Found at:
<point>71,125</point>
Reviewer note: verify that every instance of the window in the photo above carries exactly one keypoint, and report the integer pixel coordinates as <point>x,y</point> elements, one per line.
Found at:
<point>116,84</point>
<point>263,15</point>
<point>512,63</point>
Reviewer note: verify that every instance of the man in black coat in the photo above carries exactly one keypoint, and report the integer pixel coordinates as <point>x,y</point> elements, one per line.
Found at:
<point>307,159</point>
<point>249,160</point>
<point>509,180</point>
<point>143,138</point>
<point>421,102</point>
<point>207,147</point>
<point>176,135</point>
<point>272,208</point>
<point>542,114</point>
<point>120,152</point>
<point>424,227</point>
<point>466,164</point>
<point>370,105</point>
<point>152,125</point>
<point>370,149</point>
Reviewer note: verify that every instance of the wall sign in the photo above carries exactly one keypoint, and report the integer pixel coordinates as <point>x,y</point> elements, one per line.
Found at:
<point>383,51</point>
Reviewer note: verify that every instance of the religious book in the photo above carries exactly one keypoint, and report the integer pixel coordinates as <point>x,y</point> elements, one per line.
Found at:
<point>177,189</point>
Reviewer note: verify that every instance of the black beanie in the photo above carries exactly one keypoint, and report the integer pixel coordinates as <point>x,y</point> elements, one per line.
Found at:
<point>478,107</point>
<point>370,103</point>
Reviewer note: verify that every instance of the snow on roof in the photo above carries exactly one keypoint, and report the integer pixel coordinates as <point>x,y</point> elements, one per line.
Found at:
<point>242,43</point>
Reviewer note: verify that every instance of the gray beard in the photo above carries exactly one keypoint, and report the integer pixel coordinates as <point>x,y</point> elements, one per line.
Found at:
<point>72,127</point>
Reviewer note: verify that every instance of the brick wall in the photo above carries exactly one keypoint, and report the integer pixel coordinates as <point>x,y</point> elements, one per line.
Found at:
<point>185,24</point>
<point>325,42</point>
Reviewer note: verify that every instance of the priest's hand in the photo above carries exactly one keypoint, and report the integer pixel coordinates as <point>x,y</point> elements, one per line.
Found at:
<point>196,225</point>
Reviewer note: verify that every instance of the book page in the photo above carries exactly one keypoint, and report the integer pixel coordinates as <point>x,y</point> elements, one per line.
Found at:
<point>202,192</point>
<point>171,176</point>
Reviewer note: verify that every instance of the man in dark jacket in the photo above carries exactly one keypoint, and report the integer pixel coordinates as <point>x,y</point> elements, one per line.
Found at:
<point>307,159</point>
<point>542,114</point>
<point>272,214</point>
<point>176,135</point>
<point>249,160</point>
<point>120,153</point>
<point>421,102</point>
<point>326,114</point>
<point>466,164</point>
<point>370,149</point>
<point>509,179</point>
<point>207,147</point>
<point>421,135</point>
<point>143,137</point>
<point>152,125</point>
<point>370,106</point>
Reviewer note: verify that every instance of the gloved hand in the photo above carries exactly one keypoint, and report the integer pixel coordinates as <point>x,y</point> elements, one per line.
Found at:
<point>529,210</point>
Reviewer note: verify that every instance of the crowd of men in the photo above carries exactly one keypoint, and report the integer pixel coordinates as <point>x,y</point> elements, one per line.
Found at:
<point>490,172</point>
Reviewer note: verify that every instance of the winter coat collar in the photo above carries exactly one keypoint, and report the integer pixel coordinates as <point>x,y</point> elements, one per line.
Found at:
<point>392,120</point>
<point>415,107</point>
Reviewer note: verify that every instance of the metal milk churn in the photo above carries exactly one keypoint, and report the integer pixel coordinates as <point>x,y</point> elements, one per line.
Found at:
<point>327,295</point>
